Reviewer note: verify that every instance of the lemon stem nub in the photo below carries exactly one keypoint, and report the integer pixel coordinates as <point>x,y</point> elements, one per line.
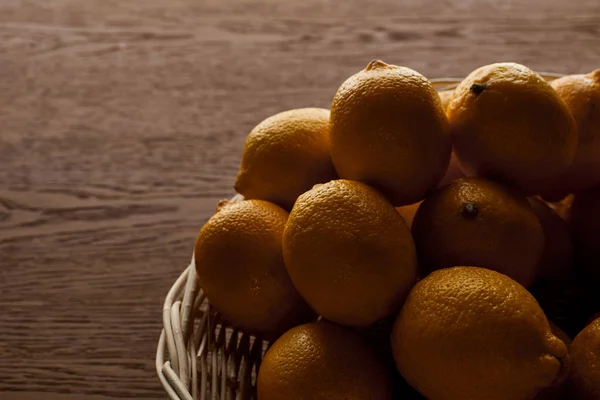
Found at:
<point>477,88</point>
<point>375,64</point>
<point>469,209</point>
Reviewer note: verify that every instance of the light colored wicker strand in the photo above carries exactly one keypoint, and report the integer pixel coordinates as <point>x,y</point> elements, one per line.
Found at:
<point>207,358</point>
<point>173,379</point>
<point>190,293</point>
<point>179,345</point>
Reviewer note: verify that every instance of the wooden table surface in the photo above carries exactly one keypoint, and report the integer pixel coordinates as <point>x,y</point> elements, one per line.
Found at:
<point>122,123</point>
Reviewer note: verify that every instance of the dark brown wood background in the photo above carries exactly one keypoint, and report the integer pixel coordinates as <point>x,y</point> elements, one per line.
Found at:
<point>122,123</point>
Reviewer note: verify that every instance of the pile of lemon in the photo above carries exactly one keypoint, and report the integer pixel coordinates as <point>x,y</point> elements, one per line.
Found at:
<point>410,244</point>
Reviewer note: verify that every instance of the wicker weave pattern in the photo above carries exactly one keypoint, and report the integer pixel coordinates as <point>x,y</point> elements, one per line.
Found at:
<point>207,359</point>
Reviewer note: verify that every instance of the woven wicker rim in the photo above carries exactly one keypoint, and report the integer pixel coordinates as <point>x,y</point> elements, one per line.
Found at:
<point>206,357</point>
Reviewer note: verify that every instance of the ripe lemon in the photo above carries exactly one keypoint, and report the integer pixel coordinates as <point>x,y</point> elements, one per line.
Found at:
<point>474,221</point>
<point>322,361</point>
<point>508,124</point>
<point>581,93</point>
<point>473,333</point>
<point>349,253</point>
<point>285,155</point>
<point>240,268</point>
<point>389,130</point>
<point>584,380</point>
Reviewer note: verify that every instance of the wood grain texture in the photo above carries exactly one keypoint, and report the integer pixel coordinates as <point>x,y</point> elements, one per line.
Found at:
<point>122,123</point>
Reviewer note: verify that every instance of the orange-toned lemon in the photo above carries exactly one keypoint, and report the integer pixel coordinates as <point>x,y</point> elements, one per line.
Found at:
<point>389,130</point>
<point>508,124</point>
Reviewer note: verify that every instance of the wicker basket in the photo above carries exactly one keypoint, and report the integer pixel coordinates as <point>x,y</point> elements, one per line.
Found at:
<point>207,359</point>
